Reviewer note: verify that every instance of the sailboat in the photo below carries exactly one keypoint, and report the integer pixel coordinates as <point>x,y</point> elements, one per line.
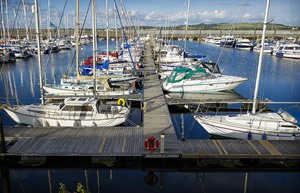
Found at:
<point>73,111</point>
<point>256,125</point>
<point>111,78</point>
<point>108,82</point>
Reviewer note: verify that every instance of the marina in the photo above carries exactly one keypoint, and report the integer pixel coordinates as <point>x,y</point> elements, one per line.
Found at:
<point>96,97</point>
<point>96,143</point>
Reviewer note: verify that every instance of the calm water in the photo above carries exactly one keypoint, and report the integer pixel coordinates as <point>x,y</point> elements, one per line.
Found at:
<point>107,181</point>
<point>280,81</point>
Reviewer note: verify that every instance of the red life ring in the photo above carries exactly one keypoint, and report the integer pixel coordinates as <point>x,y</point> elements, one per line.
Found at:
<point>151,143</point>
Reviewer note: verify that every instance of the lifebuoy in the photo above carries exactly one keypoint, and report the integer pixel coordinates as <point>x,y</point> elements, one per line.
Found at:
<point>121,101</point>
<point>151,143</point>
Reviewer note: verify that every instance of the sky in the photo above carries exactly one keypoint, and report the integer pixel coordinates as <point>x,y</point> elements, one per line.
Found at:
<point>163,12</point>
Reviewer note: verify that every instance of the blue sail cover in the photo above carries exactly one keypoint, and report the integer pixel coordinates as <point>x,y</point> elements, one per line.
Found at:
<point>186,55</point>
<point>127,46</point>
<point>105,65</point>
<point>87,69</point>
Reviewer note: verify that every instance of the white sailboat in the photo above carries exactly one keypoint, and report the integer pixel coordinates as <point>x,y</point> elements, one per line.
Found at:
<point>85,89</point>
<point>102,82</point>
<point>255,125</point>
<point>74,111</point>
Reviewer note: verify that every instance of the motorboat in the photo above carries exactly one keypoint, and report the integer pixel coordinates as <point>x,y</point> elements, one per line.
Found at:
<point>199,80</point>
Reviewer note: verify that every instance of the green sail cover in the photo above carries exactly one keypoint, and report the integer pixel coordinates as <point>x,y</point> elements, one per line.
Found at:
<point>180,74</point>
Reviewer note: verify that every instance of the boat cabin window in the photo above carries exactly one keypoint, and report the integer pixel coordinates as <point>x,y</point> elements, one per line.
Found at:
<point>289,48</point>
<point>77,108</point>
<point>199,76</point>
<point>68,108</point>
<point>289,126</point>
<point>87,108</point>
<point>82,99</point>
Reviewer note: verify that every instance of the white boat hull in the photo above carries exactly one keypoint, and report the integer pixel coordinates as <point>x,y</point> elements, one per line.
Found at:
<point>206,86</point>
<point>292,55</point>
<point>239,127</point>
<point>60,91</point>
<point>21,115</point>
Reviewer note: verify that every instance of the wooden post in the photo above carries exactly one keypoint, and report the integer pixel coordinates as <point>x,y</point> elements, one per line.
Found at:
<point>145,107</point>
<point>2,138</point>
<point>161,180</point>
<point>5,180</point>
<point>162,143</point>
<point>159,57</point>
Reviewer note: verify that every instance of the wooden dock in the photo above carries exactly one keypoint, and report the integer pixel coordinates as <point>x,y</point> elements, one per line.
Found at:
<point>69,141</point>
<point>127,142</point>
<point>157,118</point>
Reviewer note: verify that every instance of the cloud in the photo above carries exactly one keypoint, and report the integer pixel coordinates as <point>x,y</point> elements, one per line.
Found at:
<point>134,13</point>
<point>215,14</point>
<point>249,16</point>
<point>178,17</point>
<point>154,16</point>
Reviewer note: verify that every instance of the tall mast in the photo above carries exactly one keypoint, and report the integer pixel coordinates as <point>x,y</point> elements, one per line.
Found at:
<point>186,25</point>
<point>25,18</point>
<point>7,23</point>
<point>49,20</point>
<point>107,35</point>
<point>260,58</point>
<point>57,21</point>
<point>2,20</point>
<point>94,44</point>
<point>18,35</point>
<point>122,12</point>
<point>66,24</point>
<point>77,37</point>
<point>116,26</point>
<point>36,11</point>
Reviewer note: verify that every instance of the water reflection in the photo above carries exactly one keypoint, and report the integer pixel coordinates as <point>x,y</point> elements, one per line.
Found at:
<point>123,180</point>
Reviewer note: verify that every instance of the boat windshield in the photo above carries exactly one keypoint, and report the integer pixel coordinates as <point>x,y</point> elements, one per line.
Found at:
<point>201,76</point>
<point>180,76</point>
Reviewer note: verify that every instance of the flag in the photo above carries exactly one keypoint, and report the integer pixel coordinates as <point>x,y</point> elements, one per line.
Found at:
<point>52,25</point>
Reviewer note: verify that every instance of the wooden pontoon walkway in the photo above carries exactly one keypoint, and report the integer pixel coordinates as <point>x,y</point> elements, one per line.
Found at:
<point>98,142</point>
<point>69,141</point>
<point>157,118</point>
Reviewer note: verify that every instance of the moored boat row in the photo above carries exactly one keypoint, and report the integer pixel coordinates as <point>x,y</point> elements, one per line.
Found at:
<point>288,48</point>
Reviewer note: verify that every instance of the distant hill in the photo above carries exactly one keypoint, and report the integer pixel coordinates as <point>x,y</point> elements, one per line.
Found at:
<point>227,26</point>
